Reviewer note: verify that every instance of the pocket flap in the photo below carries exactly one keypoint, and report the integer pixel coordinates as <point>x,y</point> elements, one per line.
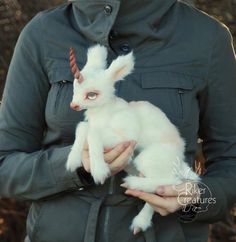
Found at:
<point>166,80</point>
<point>61,74</point>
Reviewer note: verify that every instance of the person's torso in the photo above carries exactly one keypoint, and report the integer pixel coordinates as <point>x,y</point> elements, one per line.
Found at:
<point>170,72</point>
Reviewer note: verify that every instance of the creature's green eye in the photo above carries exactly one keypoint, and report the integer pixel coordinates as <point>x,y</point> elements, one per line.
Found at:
<point>92,95</point>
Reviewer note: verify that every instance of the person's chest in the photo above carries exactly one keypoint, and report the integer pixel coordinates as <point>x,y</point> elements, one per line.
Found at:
<point>168,74</point>
<point>174,91</point>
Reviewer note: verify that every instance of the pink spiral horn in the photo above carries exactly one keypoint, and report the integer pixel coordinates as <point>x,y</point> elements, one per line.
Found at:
<point>74,68</point>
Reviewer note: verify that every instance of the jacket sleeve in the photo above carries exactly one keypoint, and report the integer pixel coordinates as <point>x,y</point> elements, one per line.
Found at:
<point>28,171</point>
<point>218,130</point>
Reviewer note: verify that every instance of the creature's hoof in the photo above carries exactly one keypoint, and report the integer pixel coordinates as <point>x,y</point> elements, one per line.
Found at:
<point>136,230</point>
<point>132,182</point>
<point>101,174</point>
<point>140,223</point>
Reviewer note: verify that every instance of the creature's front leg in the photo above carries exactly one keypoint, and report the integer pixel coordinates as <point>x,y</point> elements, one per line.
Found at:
<point>99,168</point>
<point>74,159</point>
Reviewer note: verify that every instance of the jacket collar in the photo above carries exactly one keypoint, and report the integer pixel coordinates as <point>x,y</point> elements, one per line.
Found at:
<point>96,18</point>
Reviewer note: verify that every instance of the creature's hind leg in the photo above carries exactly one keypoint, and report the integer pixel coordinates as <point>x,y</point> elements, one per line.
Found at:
<point>148,184</point>
<point>143,220</point>
<point>156,163</point>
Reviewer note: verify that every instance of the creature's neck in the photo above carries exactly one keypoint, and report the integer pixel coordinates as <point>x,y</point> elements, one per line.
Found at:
<point>100,109</point>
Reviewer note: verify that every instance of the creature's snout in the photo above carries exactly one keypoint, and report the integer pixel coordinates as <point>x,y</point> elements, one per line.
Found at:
<point>75,106</point>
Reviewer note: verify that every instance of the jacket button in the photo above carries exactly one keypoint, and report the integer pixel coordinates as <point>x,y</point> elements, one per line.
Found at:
<point>125,48</point>
<point>108,9</point>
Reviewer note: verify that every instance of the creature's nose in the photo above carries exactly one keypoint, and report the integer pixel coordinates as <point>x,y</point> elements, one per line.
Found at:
<point>75,106</point>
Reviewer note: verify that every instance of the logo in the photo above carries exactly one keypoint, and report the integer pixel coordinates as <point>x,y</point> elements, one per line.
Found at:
<point>198,194</point>
<point>194,197</point>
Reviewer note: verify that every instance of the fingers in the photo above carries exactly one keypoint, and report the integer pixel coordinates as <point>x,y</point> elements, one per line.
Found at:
<point>122,160</point>
<point>107,149</point>
<point>85,157</point>
<point>86,147</point>
<point>185,189</point>
<point>169,199</point>
<point>117,157</point>
<point>170,191</point>
<point>114,153</point>
<point>152,199</point>
<point>86,160</point>
<point>162,205</point>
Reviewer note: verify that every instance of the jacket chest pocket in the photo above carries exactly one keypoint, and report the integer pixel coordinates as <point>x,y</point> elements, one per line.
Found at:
<point>59,115</point>
<point>172,93</point>
<point>169,91</point>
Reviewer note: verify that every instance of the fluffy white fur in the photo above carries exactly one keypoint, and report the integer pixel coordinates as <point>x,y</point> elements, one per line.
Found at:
<point>111,120</point>
<point>96,57</point>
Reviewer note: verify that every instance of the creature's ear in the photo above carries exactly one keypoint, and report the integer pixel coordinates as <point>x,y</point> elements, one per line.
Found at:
<point>121,67</point>
<point>97,57</point>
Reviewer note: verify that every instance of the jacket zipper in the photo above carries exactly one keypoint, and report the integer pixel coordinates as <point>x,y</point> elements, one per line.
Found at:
<point>181,93</point>
<point>61,85</point>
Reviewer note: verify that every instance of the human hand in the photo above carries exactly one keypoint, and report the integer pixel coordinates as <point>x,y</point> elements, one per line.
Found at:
<point>117,157</point>
<point>169,199</point>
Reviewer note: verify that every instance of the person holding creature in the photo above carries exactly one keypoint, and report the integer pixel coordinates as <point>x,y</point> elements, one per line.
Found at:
<point>185,65</point>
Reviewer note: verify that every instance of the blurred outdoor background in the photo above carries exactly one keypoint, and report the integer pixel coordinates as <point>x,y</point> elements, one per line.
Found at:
<point>14,14</point>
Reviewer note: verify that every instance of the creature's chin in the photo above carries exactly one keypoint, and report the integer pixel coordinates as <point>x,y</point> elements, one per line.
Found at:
<point>80,109</point>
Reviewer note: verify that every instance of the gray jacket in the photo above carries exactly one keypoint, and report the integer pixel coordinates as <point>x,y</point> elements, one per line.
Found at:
<point>185,64</point>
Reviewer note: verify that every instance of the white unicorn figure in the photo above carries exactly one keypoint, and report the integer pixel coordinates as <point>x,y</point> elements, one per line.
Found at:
<point>110,120</point>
